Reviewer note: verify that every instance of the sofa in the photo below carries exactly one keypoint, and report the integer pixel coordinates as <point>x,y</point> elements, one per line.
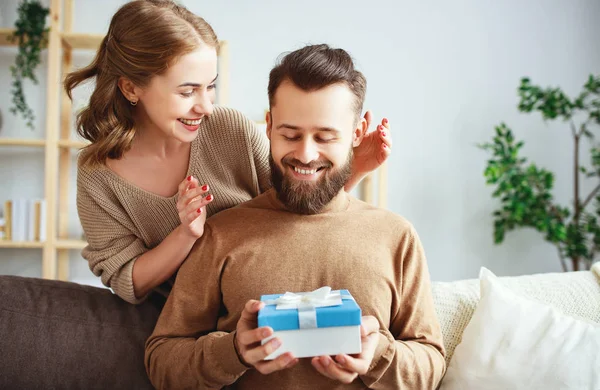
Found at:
<point>527,332</point>
<point>61,335</point>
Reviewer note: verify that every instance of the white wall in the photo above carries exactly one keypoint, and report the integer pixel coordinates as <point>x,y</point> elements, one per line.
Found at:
<point>445,73</point>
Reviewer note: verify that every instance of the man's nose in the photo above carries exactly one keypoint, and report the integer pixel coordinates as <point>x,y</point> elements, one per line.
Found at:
<point>307,151</point>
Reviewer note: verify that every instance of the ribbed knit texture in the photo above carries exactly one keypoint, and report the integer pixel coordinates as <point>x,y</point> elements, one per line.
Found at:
<point>122,221</point>
<point>260,248</point>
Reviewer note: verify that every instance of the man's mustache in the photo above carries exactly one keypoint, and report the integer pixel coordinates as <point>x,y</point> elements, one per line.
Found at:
<point>312,165</point>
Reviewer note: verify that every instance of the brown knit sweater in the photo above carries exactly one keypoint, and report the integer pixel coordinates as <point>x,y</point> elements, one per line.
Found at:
<point>260,248</point>
<point>122,221</point>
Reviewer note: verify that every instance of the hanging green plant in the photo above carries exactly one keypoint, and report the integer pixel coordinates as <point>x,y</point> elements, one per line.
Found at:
<point>31,36</point>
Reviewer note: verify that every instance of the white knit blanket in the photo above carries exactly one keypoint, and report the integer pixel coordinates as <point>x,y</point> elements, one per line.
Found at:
<point>574,293</point>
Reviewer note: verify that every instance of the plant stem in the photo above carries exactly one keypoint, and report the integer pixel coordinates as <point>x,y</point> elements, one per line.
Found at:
<point>576,203</point>
<point>562,259</point>
<point>590,196</point>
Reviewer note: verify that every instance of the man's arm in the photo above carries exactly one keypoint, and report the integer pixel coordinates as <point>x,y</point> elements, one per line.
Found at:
<point>185,351</point>
<point>411,354</point>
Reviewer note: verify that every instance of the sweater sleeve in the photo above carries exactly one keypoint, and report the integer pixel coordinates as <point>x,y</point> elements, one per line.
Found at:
<point>185,351</point>
<point>112,247</point>
<point>260,153</point>
<point>410,355</point>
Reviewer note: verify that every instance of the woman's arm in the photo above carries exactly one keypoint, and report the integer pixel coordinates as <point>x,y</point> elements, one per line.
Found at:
<point>117,254</point>
<point>157,265</point>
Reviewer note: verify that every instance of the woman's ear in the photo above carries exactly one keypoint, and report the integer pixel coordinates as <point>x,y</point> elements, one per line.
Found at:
<point>359,132</point>
<point>129,90</point>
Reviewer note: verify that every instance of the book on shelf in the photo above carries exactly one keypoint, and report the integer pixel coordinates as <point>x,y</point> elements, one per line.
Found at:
<point>25,220</point>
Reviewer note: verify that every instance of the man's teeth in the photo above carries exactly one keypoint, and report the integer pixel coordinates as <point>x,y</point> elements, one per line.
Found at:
<point>189,122</point>
<point>305,171</point>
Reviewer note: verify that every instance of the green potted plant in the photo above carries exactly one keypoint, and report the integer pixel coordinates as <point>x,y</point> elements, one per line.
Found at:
<point>31,37</point>
<point>525,190</point>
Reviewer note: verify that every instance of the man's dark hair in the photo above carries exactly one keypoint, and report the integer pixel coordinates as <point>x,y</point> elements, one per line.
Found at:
<point>318,66</point>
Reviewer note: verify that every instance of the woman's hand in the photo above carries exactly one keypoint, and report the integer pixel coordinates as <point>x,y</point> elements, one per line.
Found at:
<point>374,149</point>
<point>191,206</point>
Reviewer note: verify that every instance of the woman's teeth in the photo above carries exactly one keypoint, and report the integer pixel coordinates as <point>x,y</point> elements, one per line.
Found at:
<point>189,122</point>
<point>305,171</point>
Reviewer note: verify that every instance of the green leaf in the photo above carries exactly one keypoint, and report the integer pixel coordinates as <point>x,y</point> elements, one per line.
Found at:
<point>31,35</point>
<point>524,190</point>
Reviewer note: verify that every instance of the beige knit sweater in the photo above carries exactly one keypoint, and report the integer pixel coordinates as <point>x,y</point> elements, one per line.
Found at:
<point>261,248</point>
<point>122,221</point>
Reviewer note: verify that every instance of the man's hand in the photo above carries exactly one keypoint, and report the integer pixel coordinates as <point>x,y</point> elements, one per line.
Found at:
<point>346,368</point>
<point>248,342</point>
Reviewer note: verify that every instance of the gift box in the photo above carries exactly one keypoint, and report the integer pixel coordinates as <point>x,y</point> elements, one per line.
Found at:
<point>320,322</point>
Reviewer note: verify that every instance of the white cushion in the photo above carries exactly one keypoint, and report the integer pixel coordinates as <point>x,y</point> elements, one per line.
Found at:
<point>513,342</point>
<point>576,294</point>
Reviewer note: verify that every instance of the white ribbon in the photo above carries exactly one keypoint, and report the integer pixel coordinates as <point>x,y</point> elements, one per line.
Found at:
<point>307,303</point>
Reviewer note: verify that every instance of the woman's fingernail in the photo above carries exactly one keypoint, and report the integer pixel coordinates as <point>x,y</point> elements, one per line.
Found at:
<point>385,121</point>
<point>209,197</point>
<point>379,127</point>
<point>189,178</point>
<point>199,211</point>
<point>383,133</point>
<point>384,146</point>
<point>204,188</point>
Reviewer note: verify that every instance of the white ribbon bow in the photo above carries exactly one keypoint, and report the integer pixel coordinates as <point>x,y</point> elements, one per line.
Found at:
<point>307,302</point>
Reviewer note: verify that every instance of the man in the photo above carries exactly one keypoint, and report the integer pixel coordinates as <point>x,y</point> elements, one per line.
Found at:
<point>305,233</point>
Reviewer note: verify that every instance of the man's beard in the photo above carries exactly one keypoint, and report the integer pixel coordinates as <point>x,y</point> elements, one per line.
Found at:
<point>309,197</point>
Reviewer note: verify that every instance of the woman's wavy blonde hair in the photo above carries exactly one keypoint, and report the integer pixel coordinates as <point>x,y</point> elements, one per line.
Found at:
<point>144,38</point>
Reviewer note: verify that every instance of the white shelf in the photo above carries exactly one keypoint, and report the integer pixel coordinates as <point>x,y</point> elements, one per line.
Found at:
<point>60,244</point>
<point>70,244</point>
<point>21,244</point>
<point>73,40</point>
<point>72,144</point>
<point>22,142</point>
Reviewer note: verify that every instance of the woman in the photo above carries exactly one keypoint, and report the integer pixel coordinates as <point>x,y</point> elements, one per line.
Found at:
<point>162,158</point>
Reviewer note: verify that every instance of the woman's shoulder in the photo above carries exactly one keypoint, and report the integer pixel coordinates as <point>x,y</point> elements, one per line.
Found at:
<point>90,174</point>
<point>227,128</point>
<point>85,167</point>
<point>226,119</point>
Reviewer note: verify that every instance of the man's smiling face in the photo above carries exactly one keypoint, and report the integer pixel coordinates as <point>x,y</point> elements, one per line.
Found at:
<point>312,134</point>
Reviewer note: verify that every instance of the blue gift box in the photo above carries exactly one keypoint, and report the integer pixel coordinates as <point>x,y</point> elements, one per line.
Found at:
<point>346,314</point>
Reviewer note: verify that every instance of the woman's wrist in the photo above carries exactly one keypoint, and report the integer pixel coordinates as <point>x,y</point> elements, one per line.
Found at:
<point>354,179</point>
<point>184,239</point>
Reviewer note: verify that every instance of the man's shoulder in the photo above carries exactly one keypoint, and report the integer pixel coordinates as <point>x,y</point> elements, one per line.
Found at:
<point>383,218</point>
<point>254,207</point>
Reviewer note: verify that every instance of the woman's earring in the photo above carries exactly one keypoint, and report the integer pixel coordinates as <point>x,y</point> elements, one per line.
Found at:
<point>133,102</point>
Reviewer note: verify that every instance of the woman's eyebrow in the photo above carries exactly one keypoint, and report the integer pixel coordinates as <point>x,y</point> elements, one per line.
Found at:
<point>195,85</point>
